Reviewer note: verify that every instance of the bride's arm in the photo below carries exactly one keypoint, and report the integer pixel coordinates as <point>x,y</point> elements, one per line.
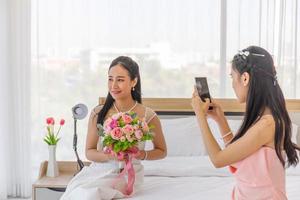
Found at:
<point>92,138</point>
<point>160,149</point>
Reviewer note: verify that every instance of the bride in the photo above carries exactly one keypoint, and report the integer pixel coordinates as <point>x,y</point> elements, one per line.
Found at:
<point>94,181</point>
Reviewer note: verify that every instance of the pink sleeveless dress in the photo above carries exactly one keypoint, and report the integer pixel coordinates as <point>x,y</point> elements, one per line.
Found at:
<point>260,176</point>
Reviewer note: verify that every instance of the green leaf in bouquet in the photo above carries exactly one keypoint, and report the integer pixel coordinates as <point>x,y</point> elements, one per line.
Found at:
<point>135,120</point>
<point>108,140</point>
<point>132,114</point>
<point>121,123</point>
<point>117,146</point>
<point>147,137</point>
<point>133,143</point>
<point>124,145</point>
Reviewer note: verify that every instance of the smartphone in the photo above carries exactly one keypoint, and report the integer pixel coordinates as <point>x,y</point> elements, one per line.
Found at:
<point>202,88</point>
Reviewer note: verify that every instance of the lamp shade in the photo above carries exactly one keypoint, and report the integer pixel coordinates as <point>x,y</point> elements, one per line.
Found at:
<point>79,111</point>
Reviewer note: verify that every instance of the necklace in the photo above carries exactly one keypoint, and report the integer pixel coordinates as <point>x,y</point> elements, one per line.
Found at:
<point>125,111</point>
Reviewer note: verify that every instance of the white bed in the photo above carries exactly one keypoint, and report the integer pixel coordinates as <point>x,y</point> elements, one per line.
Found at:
<point>187,172</point>
<point>194,178</point>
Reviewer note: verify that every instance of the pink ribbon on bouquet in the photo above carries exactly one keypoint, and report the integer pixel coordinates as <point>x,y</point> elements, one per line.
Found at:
<point>128,155</point>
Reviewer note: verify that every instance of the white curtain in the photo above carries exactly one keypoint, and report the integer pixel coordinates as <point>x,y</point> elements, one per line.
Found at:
<point>74,41</point>
<point>15,178</point>
<point>272,24</point>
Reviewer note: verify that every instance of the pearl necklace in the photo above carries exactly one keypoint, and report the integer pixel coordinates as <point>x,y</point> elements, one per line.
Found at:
<point>125,111</point>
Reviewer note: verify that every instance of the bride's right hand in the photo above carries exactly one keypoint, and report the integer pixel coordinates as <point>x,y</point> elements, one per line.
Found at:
<point>113,157</point>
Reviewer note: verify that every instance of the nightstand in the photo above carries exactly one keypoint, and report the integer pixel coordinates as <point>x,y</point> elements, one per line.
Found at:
<point>48,188</point>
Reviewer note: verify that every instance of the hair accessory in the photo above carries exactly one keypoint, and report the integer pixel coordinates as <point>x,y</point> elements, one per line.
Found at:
<point>256,54</point>
<point>244,54</point>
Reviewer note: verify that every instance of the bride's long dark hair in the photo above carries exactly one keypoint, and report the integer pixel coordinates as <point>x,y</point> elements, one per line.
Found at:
<point>265,92</point>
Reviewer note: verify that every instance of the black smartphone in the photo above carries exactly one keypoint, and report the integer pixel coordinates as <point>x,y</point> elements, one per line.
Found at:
<point>202,88</point>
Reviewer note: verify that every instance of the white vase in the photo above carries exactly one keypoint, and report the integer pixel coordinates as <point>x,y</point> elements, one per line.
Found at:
<point>52,168</point>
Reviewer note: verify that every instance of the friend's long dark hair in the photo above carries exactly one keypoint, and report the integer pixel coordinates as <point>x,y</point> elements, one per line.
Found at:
<point>265,92</point>
<point>133,70</point>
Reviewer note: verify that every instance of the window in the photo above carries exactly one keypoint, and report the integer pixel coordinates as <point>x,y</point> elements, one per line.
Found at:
<point>74,41</point>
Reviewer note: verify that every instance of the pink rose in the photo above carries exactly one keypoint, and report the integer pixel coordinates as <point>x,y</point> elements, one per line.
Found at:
<point>113,124</point>
<point>107,129</point>
<point>116,133</point>
<point>135,127</point>
<point>106,125</point>
<point>129,138</point>
<point>126,118</point>
<point>128,129</point>
<point>122,139</point>
<point>138,134</point>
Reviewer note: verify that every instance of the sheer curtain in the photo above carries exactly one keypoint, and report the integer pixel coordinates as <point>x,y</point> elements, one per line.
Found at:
<point>74,41</point>
<point>272,24</point>
<point>4,104</point>
<point>15,115</point>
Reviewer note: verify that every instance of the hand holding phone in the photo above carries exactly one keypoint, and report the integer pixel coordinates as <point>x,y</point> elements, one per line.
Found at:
<point>202,88</point>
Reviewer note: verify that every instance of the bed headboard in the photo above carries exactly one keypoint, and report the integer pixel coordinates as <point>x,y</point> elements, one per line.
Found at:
<point>183,106</point>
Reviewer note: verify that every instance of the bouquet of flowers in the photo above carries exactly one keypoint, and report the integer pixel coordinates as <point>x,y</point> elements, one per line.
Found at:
<point>122,132</point>
<point>51,138</point>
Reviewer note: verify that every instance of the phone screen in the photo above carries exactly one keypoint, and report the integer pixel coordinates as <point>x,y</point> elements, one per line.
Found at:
<point>202,88</point>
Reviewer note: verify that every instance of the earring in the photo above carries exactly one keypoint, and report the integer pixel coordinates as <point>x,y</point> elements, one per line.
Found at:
<point>133,89</point>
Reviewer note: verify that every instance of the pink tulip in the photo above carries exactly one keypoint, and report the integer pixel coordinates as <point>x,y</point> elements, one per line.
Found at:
<point>62,122</point>
<point>50,120</point>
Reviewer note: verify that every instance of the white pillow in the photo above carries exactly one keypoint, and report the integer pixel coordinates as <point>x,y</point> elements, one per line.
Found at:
<point>183,136</point>
<point>185,166</point>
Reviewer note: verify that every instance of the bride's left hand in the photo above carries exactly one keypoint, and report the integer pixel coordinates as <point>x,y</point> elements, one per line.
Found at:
<point>141,155</point>
<point>200,108</point>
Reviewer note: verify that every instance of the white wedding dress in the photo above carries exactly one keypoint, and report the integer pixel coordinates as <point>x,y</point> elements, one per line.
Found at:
<point>94,182</point>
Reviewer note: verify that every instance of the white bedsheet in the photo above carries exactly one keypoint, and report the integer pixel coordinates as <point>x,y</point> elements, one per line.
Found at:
<point>190,188</point>
<point>195,178</point>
